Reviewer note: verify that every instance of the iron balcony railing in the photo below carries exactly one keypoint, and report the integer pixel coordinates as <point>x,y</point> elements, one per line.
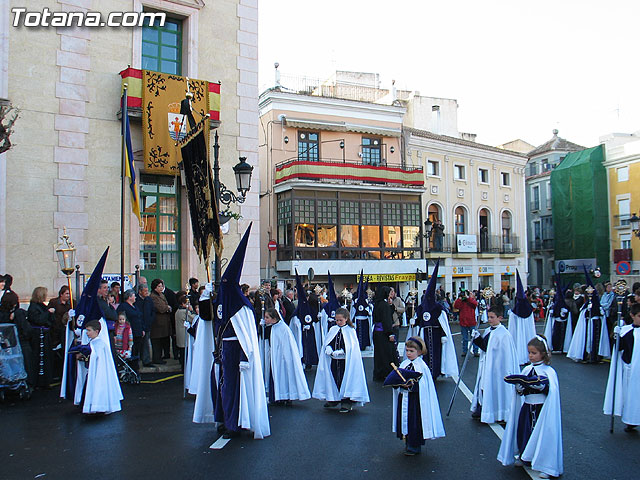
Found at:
<point>621,220</point>
<point>538,244</point>
<point>349,172</point>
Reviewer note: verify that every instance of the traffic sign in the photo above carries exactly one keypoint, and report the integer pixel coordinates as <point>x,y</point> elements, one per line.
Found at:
<point>623,268</point>
<point>272,245</point>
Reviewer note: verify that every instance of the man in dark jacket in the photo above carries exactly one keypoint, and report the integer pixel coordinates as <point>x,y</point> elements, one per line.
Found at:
<point>108,312</point>
<point>144,304</point>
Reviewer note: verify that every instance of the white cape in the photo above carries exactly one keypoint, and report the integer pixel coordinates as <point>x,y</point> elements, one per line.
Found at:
<point>544,448</point>
<point>200,381</point>
<point>103,393</point>
<point>253,413</point>
<point>580,335</point>
<point>432,426</point>
<point>522,330</point>
<point>449,362</point>
<point>500,360</point>
<point>354,382</point>
<point>548,330</point>
<point>296,328</point>
<point>284,364</point>
<point>189,342</point>
<point>627,382</point>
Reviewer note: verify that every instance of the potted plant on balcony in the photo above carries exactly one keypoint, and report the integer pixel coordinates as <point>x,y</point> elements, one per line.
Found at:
<point>227,215</point>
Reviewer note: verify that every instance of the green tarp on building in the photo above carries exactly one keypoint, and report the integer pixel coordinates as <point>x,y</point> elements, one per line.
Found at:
<point>580,210</point>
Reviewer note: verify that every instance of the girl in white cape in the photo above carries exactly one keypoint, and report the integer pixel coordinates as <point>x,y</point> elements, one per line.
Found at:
<point>102,388</point>
<point>416,411</point>
<point>534,428</point>
<point>340,378</point>
<point>283,372</point>
<point>625,372</point>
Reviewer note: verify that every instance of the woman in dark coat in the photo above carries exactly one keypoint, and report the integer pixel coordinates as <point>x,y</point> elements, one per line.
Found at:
<point>41,318</point>
<point>384,351</point>
<point>161,327</point>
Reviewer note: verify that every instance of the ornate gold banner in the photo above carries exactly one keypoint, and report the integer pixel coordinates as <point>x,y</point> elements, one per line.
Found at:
<point>162,123</point>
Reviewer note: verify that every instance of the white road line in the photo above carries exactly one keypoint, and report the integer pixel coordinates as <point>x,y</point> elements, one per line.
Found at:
<point>497,428</point>
<point>219,444</point>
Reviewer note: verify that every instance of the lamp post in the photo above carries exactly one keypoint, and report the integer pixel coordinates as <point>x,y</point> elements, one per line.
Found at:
<point>242,171</point>
<point>66,252</point>
<point>635,225</point>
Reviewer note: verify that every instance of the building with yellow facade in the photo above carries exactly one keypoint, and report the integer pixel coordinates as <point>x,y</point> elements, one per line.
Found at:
<point>622,161</point>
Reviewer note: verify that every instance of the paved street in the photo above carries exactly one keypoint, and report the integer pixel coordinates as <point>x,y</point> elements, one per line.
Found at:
<point>153,437</point>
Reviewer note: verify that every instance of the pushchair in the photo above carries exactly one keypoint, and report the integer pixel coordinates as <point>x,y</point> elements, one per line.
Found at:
<point>13,376</point>
<point>126,373</point>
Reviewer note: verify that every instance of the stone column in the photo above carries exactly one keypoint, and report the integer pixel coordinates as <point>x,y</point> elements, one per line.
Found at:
<point>72,124</point>
<point>247,141</point>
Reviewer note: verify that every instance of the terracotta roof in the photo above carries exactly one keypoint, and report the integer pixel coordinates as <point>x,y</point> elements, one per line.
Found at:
<point>459,141</point>
<point>556,143</point>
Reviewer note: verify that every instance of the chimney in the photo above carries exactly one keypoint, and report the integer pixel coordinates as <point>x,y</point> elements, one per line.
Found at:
<point>394,95</point>
<point>276,65</point>
<point>435,119</point>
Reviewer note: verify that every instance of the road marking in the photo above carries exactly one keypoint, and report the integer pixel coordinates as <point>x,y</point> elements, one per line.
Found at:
<point>497,428</point>
<point>163,379</point>
<point>219,444</point>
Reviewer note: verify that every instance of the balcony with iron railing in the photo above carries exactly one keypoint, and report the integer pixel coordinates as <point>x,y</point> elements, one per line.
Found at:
<point>487,244</point>
<point>622,221</point>
<point>541,244</point>
<point>534,205</point>
<point>329,170</point>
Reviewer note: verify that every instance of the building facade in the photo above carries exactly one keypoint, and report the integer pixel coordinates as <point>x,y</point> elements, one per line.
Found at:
<point>64,169</point>
<point>540,232</point>
<point>355,178</point>
<point>622,161</point>
<point>474,204</point>
<point>335,194</point>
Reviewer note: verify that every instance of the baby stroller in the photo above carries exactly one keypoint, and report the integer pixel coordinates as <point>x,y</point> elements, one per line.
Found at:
<point>126,373</point>
<point>13,376</point>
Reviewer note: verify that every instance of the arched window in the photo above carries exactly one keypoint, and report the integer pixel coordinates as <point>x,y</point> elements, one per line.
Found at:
<point>460,219</point>
<point>506,227</point>
<point>436,240</point>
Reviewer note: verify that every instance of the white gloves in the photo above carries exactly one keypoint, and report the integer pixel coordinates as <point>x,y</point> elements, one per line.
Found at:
<point>78,332</point>
<point>72,313</point>
<point>537,387</point>
<point>519,389</point>
<point>328,350</point>
<point>444,340</point>
<point>616,331</point>
<point>306,327</point>
<point>80,320</point>
<point>338,354</point>
<point>475,334</point>
<point>208,290</point>
<point>187,324</point>
<point>244,366</point>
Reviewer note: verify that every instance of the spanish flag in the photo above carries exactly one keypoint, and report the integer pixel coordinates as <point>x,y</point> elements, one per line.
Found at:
<point>129,169</point>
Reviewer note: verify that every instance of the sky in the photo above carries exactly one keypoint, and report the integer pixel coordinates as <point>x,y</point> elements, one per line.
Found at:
<point>518,69</point>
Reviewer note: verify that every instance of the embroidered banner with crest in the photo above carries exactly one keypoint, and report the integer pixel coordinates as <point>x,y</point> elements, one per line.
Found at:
<point>163,125</point>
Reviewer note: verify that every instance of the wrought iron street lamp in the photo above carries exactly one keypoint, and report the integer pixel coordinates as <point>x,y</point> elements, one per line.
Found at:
<point>242,171</point>
<point>66,252</point>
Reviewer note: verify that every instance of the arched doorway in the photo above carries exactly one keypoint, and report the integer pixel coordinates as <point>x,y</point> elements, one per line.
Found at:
<point>484,228</point>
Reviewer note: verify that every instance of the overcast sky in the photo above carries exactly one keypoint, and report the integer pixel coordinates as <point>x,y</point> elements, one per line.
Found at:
<point>518,69</point>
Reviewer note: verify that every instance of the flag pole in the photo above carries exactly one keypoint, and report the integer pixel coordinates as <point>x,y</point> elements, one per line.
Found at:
<point>125,113</point>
